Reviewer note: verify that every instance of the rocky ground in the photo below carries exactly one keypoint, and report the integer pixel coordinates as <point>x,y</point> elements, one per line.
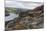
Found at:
<point>31,19</point>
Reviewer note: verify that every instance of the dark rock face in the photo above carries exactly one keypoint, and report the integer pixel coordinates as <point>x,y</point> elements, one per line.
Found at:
<point>6,13</point>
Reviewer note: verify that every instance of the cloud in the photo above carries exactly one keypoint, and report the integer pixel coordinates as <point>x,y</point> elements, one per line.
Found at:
<point>18,4</point>
<point>13,4</point>
<point>28,0</point>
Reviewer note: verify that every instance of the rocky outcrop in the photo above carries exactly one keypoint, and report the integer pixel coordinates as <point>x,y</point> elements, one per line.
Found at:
<point>30,19</point>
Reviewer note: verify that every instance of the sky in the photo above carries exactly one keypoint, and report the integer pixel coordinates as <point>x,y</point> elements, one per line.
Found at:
<point>27,0</point>
<point>17,4</point>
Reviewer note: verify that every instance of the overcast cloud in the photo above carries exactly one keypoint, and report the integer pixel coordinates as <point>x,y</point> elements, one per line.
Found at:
<point>17,4</point>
